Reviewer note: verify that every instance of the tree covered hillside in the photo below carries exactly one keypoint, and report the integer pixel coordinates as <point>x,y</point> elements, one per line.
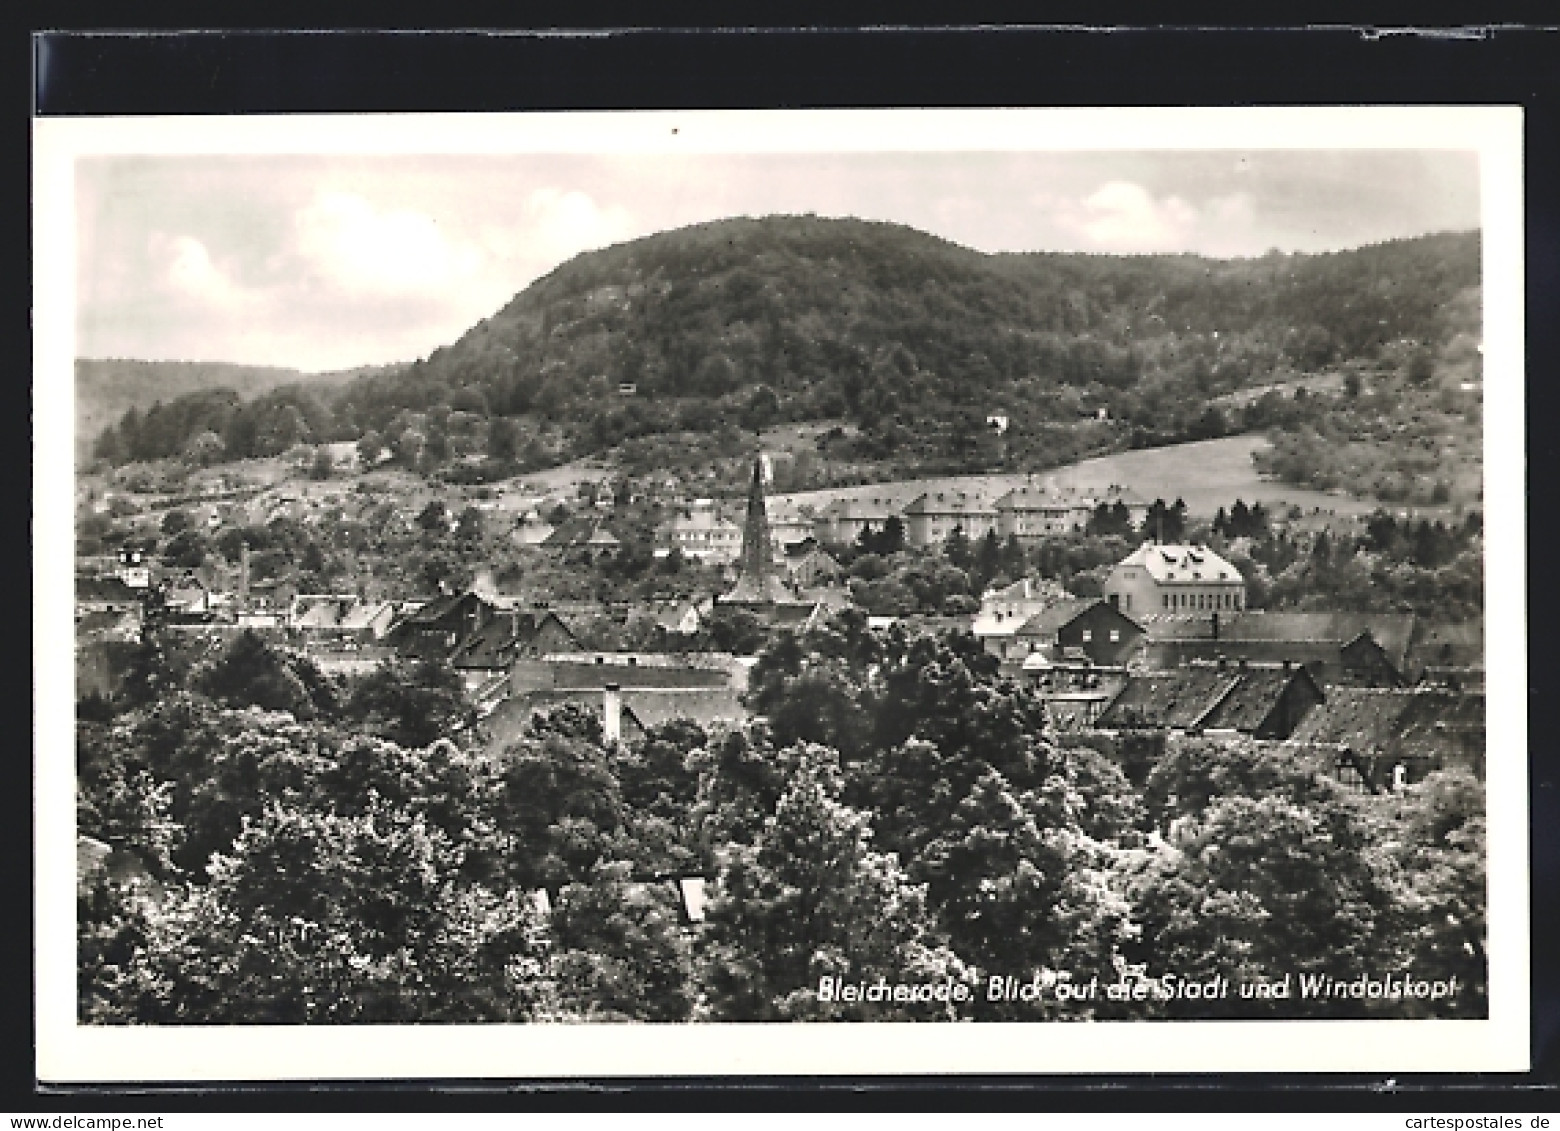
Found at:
<point>912,339</point>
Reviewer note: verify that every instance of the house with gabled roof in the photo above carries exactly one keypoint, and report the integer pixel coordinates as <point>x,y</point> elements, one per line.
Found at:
<point>1269,701</point>
<point>1447,646</point>
<point>1003,612</point>
<point>437,628</point>
<point>369,620</point>
<point>506,637</point>
<point>1385,737</point>
<point>790,523</point>
<point>1085,626</point>
<point>1262,701</point>
<point>683,618</point>
<point>1074,693</point>
<point>808,564</point>
<point>186,595</point>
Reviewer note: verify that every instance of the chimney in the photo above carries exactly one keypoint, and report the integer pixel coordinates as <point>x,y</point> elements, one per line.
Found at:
<point>612,713</point>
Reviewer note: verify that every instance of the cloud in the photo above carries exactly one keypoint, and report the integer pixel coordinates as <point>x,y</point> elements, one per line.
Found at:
<point>185,266</point>
<point>1122,216</point>
<point>555,225</point>
<point>351,242</point>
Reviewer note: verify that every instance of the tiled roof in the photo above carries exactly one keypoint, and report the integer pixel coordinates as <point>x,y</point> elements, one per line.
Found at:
<point>1448,645</point>
<point>1168,700</point>
<point>1390,630</point>
<point>705,706</point>
<point>322,610</point>
<point>1176,652</point>
<point>1053,618</point>
<point>873,509</point>
<point>792,612</point>
<point>1392,720</point>
<point>702,520</point>
<point>498,642</point>
<point>506,722</point>
<point>1038,498</point>
<point>950,503</point>
<point>768,590</point>
<point>435,610</point>
<point>580,670</point>
<point>365,613</point>
<point>1253,698</point>
<point>1164,562</point>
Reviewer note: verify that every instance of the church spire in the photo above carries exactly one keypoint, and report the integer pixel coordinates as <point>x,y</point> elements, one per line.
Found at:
<point>757,549</point>
<point>757,584</point>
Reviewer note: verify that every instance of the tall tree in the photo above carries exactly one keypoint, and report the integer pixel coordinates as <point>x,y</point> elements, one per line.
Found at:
<point>809,900</point>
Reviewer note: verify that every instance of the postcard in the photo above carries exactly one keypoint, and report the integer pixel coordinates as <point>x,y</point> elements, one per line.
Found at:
<point>780,592</point>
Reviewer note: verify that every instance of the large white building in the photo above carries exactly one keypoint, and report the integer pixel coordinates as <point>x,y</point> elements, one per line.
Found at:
<point>702,534</point>
<point>1157,578</point>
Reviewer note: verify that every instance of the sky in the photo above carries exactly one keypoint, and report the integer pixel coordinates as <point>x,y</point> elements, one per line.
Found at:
<point>329,262</point>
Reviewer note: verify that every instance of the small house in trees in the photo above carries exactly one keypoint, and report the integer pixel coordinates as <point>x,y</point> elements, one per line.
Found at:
<point>531,532</point>
<point>683,618</point>
<point>369,620</point>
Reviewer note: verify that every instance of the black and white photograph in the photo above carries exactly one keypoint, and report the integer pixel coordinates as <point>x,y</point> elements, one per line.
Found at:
<point>552,594</point>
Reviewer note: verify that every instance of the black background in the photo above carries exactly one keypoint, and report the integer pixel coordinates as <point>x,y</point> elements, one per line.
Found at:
<point>809,64</point>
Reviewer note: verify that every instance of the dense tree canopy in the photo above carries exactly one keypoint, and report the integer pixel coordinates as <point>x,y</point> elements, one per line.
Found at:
<point>901,814</point>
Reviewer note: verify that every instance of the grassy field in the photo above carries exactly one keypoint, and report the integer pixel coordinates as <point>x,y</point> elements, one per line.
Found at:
<point>1207,474</point>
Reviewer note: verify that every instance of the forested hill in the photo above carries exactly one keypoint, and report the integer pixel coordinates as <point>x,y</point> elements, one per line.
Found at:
<point>808,318</point>
<point>912,338</point>
<point>108,388</point>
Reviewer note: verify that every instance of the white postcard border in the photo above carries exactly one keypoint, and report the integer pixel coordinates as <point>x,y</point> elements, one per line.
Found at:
<point>68,1052</point>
